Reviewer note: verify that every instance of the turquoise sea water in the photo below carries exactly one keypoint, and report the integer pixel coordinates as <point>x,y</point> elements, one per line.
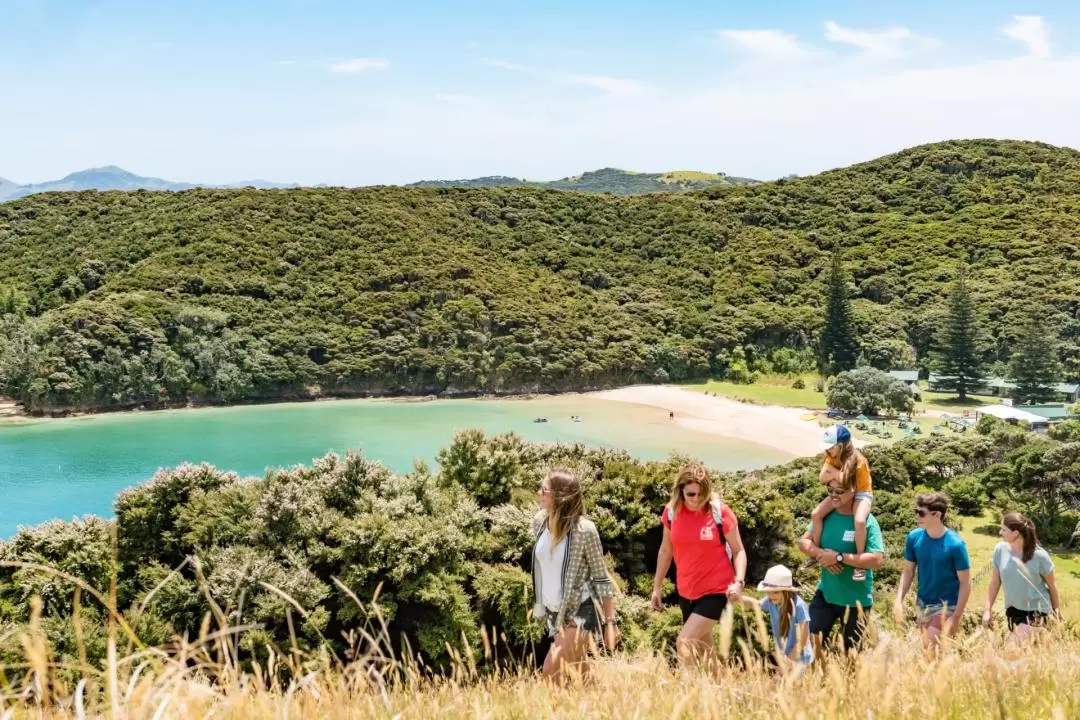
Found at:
<point>73,467</point>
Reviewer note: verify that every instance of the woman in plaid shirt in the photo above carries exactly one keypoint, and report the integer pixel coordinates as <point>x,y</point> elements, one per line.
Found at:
<point>569,576</point>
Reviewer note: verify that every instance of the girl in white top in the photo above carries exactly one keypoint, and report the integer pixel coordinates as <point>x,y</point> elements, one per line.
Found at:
<point>570,577</point>
<point>1026,572</point>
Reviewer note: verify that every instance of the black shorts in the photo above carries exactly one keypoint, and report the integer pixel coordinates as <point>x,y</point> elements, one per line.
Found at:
<point>1015,616</point>
<point>824,616</point>
<point>710,606</point>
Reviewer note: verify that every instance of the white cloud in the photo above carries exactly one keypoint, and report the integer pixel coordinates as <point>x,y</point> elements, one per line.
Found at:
<point>767,44</point>
<point>455,98</point>
<point>285,62</point>
<point>504,65</point>
<point>809,118</point>
<point>610,85</point>
<point>887,42</point>
<point>359,65</point>
<point>1031,30</point>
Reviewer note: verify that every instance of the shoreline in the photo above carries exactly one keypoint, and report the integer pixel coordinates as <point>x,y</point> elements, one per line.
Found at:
<point>776,427</point>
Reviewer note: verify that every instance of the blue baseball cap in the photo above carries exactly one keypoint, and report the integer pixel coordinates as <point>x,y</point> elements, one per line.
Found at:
<point>835,435</point>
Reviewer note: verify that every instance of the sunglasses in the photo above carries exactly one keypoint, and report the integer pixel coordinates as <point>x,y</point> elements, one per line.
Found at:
<point>837,491</point>
<point>690,494</point>
<point>921,512</point>
<point>545,491</point>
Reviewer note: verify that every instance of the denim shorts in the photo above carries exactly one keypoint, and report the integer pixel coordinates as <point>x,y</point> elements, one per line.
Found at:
<point>866,497</point>
<point>585,617</point>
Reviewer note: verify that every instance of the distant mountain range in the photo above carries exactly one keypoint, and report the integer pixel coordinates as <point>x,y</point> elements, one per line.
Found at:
<point>610,180</point>
<point>114,178</point>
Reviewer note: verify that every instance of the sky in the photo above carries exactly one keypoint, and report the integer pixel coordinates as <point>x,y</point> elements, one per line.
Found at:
<point>360,93</point>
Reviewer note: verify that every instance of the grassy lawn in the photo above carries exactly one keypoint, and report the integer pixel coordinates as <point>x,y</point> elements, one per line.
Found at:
<point>981,535</point>
<point>768,390</point>
<point>778,390</point>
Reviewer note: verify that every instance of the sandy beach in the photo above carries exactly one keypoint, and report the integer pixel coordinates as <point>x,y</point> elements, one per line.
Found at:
<point>776,427</point>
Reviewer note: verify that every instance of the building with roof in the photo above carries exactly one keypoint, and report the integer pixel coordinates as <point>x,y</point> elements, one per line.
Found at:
<point>1000,387</point>
<point>911,379</point>
<point>1013,415</point>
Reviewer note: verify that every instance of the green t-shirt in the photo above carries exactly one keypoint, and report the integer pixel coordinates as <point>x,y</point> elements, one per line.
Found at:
<point>838,533</point>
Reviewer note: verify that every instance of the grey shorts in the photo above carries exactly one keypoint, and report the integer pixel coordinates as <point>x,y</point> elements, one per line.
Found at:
<point>584,617</point>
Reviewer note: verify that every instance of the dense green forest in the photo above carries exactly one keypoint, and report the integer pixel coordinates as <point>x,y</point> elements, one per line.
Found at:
<point>607,180</point>
<point>445,553</point>
<point>114,299</point>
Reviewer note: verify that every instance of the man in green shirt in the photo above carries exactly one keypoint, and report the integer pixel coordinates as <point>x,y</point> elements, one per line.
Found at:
<point>839,597</point>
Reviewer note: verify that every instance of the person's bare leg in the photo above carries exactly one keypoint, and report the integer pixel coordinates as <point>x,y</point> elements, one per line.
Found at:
<point>817,519</point>
<point>694,644</point>
<point>567,655</point>
<point>862,513</point>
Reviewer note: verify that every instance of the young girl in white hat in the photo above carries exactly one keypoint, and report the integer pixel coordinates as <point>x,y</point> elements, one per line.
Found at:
<point>789,616</point>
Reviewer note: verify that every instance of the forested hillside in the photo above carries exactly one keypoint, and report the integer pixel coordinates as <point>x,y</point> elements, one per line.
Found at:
<point>115,299</point>
<point>607,180</point>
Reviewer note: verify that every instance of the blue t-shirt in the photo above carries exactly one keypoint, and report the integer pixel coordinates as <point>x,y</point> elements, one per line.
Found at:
<point>801,615</point>
<point>937,561</point>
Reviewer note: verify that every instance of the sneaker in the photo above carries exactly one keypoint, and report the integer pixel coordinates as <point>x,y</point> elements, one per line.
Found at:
<point>859,575</point>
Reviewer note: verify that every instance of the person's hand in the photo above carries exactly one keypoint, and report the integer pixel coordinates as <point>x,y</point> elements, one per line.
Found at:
<point>611,636</point>
<point>734,591</point>
<point>950,626</point>
<point>657,600</point>
<point>827,559</point>
<point>988,619</point>
<point>898,612</point>
<point>1056,616</point>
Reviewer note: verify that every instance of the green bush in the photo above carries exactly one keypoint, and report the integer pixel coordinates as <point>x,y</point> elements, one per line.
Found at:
<point>966,495</point>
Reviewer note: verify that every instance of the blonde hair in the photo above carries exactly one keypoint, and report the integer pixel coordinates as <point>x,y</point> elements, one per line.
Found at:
<point>849,463</point>
<point>691,474</point>
<point>567,504</point>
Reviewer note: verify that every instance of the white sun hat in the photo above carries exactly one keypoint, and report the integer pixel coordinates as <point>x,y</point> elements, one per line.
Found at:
<point>778,578</point>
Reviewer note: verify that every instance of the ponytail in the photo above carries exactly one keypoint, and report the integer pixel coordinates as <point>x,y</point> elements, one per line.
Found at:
<point>1023,525</point>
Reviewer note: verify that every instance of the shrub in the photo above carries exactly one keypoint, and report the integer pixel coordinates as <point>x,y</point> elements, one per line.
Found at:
<point>966,495</point>
<point>868,390</point>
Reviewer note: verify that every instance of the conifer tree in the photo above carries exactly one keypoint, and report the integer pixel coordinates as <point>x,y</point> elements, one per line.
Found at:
<point>838,349</point>
<point>1034,366</point>
<point>959,354</point>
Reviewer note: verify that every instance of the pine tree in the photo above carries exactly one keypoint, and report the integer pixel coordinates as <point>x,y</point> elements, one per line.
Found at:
<point>837,348</point>
<point>1034,366</point>
<point>958,356</point>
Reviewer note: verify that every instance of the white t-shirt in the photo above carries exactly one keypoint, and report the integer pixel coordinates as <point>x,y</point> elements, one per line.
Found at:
<point>551,565</point>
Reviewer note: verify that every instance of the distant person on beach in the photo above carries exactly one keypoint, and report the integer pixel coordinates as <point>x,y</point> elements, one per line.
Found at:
<point>788,615</point>
<point>845,463</point>
<point>570,577</point>
<point>1025,570</point>
<point>701,534</point>
<point>840,597</point>
<point>939,556</point>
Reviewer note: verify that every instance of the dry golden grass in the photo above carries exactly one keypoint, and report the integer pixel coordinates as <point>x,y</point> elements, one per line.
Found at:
<point>978,676</point>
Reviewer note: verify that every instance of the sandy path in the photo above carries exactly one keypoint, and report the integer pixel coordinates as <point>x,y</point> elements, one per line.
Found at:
<point>777,427</point>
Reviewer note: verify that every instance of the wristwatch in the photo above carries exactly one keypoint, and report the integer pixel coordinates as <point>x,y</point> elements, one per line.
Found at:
<point>840,558</point>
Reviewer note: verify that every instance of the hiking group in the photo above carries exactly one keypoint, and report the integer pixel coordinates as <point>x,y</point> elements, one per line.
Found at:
<point>843,538</point>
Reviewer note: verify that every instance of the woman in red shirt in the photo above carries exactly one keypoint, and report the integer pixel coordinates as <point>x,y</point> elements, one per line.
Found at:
<point>706,577</point>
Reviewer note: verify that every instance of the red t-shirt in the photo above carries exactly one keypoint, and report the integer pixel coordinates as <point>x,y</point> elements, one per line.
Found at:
<point>702,566</point>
